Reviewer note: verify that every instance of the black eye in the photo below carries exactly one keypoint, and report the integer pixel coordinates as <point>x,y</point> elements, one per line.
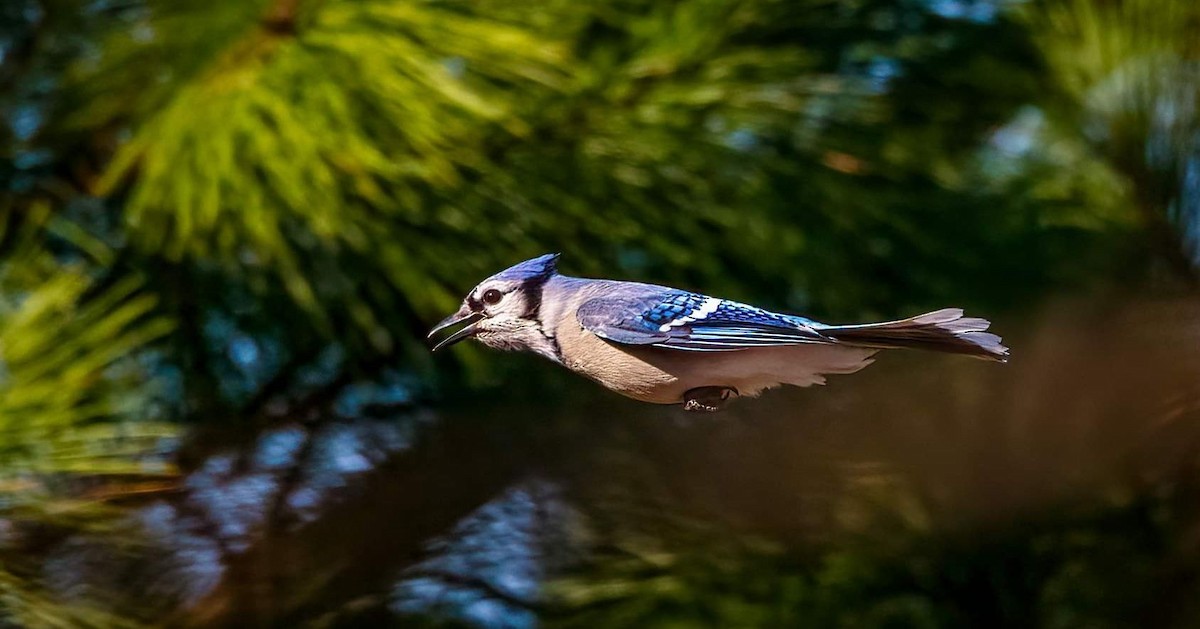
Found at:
<point>492,296</point>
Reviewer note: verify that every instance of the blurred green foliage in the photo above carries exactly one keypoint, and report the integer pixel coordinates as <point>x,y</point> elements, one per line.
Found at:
<point>74,393</point>
<point>307,152</point>
<point>227,213</point>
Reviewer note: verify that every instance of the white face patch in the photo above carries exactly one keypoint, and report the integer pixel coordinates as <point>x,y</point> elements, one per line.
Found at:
<point>514,334</point>
<point>709,306</point>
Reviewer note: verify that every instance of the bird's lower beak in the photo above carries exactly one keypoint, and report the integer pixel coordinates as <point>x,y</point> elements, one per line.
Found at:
<point>462,316</point>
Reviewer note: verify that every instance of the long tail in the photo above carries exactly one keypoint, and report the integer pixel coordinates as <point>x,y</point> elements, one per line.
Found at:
<point>945,330</point>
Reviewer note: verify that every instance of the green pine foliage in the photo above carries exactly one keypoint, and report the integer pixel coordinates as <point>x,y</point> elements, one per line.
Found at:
<point>76,394</point>
<point>305,139</point>
<point>1126,77</point>
<point>72,388</point>
<point>359,159</point>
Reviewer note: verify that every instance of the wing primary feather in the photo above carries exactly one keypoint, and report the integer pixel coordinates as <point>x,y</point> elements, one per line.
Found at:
<point>723,334</point>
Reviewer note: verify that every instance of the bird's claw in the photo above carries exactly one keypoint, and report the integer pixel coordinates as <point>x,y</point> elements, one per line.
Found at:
<point>707,399</point>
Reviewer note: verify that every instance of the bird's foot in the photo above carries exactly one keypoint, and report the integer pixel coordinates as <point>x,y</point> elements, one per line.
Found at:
<point>707,399</point>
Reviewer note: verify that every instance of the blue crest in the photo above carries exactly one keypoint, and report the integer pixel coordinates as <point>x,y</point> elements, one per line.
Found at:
<point>540,267</point>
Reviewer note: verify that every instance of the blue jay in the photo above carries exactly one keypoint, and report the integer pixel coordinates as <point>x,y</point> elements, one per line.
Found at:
<point>671,346</point>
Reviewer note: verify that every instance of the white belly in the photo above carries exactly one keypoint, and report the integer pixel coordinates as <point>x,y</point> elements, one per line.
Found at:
<point>662,376</point>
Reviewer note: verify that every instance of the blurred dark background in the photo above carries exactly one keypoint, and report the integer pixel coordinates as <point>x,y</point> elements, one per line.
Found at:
<point>226,226</point>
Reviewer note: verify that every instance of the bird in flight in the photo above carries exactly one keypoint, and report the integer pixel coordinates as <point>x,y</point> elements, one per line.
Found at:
<point>671,346</point>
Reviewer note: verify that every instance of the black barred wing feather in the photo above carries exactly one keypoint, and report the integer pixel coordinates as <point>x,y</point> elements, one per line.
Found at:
<point>688,321</point>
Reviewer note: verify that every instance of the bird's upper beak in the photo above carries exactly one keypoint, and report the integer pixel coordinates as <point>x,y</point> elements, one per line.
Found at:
<point>464,314</point>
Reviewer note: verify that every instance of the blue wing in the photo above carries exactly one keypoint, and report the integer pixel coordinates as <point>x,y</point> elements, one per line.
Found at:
<point>688,321</point>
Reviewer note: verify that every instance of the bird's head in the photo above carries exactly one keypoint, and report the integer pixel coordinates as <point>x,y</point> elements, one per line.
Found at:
<point>502,311</point>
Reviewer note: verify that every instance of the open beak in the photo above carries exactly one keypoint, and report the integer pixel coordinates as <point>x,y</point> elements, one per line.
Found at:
<point>464,315</point>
